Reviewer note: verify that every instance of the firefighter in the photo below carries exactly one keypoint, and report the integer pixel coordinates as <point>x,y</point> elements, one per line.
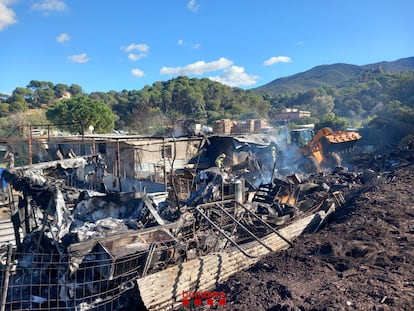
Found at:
<point>9,154</point>
<point>219,160</point>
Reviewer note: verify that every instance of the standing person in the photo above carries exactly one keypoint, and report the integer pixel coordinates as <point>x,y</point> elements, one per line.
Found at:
<point>10,155</point>
<point>220,161</point>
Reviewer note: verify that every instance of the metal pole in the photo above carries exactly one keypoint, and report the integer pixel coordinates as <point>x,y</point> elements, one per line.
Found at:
<point>265,223</point>
<point>118,156</point>
<point>83,138</point>
<point>165,169</point>
<point>15,215</point>
<point>244,227</point>
<point>30,145</point>
<point>6,277</point>
<point>223,233</point>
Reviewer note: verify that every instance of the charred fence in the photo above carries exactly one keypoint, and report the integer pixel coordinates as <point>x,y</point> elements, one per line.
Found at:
<point>45,281</point>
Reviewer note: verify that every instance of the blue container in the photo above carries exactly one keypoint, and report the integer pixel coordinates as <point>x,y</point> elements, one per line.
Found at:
<point>3,182</point>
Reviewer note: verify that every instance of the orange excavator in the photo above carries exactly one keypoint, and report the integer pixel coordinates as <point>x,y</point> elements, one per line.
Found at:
<point>323,149</point>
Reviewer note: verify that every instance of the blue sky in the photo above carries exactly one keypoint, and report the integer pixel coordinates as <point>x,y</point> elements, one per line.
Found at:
<point>115,45</point>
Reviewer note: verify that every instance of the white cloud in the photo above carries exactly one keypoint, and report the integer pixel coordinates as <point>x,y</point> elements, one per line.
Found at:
<point>141,47</point>
<point>192,45</point>
<point>49,5</point>
<point>235,77</point>
<point>193,6</point>
<point>136,51</point>
<point>197,68</point>
<point>134,57</point>
<point>7,15</point>
<point>63,37</point>
<point>137,73</point>
<point>277,59</point>
<point>79,58</point>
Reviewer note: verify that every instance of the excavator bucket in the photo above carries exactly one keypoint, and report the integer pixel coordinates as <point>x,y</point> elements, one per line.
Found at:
<point>340,141</point>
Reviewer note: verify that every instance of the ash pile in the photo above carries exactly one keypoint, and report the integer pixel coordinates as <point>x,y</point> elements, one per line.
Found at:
<point>79,249</point>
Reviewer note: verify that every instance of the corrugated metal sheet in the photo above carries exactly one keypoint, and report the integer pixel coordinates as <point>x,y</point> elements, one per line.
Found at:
<point>143,141</point>
<point>7,232</point>
<point>259,139</point>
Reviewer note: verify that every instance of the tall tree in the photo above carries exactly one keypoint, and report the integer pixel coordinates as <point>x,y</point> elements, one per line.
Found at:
<point>395,122</point>
<point>322,105</point>
<point>75,90</point>
<point>82,110</point>
<point>4,109</point>
<point>4,98</point>
<point>335,123</point>
<point>17,100</point>
<point>60,90</point>
<point>42,93</point>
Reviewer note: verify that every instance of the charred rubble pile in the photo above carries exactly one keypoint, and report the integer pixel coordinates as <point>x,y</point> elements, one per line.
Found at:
<point>67,238</point>
<point>284,200</point>
<point>79,249</point>
<point>386,160</point>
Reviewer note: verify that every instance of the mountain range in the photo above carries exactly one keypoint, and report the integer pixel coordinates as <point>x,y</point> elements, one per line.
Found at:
<point>329,75</point>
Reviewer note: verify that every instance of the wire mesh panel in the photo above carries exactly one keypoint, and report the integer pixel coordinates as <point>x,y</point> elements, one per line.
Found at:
<point>43,281</point>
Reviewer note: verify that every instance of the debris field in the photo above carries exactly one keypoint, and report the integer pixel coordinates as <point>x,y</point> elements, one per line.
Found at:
<point>362,259</point>
<point>83,250</point>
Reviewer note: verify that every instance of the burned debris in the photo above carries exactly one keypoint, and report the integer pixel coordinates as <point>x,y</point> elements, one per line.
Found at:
<point>84,245</point>
<point>80,249</point>
<point>69,238</point>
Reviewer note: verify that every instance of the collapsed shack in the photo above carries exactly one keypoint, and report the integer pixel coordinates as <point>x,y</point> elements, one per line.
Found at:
<point>79,249</point>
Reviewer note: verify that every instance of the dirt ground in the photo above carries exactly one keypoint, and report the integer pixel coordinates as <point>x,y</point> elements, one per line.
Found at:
<point>362,259</point>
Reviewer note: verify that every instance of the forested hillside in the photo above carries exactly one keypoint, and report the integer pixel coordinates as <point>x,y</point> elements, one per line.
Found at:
<point>373,96</point>
<point>329,75</point>
<point>149,110</point>
<point>324,75</point>
<point>357,99</point>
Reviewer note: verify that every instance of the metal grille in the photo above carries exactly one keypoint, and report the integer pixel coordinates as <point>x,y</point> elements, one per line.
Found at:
<point>41,281</point>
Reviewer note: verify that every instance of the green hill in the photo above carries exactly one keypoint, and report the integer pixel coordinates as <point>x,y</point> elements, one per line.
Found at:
<point>329,75</point>
<point>401,65</point>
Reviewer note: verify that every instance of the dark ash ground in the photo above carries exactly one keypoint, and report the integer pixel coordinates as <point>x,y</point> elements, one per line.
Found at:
<point>362,259</point>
